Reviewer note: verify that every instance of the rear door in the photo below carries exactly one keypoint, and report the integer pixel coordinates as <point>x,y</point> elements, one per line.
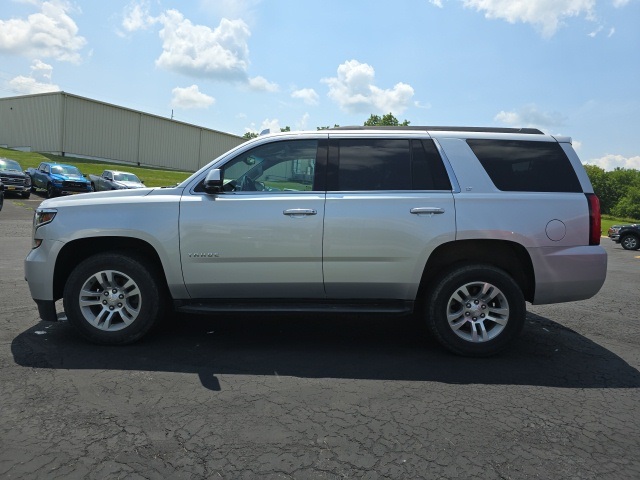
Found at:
<point>389,205</point>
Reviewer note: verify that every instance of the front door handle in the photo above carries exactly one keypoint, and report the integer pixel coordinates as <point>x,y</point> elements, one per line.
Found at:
<point>300,212</point>
<point>427,210</point>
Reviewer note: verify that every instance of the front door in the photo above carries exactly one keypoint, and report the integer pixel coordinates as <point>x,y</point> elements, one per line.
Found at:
<point>261,237</point>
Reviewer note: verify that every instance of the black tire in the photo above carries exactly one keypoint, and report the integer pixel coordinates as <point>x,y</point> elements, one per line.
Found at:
<point>26,195</point>
<point>127,303</point>
<point>485,323</point>
<point>51,192</point>
<point>1,200</point>
<point>630,242</point>
<point>33,188</point>
<point>93,187</point>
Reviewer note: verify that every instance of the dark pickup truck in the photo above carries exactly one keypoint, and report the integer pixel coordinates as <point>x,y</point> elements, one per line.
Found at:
<point>626,235</point>
<point>13,178</point>
<point>58,179</point>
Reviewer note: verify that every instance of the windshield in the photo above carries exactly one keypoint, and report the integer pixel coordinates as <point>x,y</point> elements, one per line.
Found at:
<point>65,170</point>
<point>6,164</point>
<point>126,177</point>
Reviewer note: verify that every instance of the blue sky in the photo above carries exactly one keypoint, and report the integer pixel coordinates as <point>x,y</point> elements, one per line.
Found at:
<point>568,67</point>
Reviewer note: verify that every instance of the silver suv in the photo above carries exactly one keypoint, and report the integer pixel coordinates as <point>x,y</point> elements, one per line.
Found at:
<point>460,226</point>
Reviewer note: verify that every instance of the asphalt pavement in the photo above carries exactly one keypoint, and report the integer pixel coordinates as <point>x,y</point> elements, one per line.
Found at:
<point>247,397</point>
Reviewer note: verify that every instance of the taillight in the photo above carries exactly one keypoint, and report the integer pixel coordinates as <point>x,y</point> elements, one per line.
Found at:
<point>595,225</point>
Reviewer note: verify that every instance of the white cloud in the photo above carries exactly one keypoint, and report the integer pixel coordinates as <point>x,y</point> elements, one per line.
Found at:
<point>546,15</point>
<point>620,3</point>
<point>190,97</point>
<point>261,84</point>
<point>272,125</point>
<point>50,33</point>
<point>437,3</point>
<point>38,82</point>
<point>199,51</point>
<point>610,162</point>
<point>595,32</point>
<point>354,92</point>
<point>304,122</point>
<point>136,16</point>
<point>530,116</point>
<point>307,95</point>
<point>41,70</point>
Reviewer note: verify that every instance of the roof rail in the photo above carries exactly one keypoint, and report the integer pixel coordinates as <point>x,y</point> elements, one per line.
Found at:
<point>533,131</point>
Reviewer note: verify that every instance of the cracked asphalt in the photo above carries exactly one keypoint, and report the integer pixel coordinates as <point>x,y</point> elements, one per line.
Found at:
<point>246,397</point>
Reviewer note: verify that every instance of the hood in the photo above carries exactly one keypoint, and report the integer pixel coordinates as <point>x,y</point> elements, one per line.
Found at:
<point>15,173</point>
<point>130,184</point>
<point>95,198</point>
<point>75,178</point>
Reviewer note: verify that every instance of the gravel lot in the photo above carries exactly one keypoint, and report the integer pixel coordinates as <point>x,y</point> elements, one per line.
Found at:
<point>340,397</point>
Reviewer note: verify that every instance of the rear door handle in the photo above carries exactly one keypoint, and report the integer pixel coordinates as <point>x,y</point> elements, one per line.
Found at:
<point>427,210</point>
<point>300,212</point>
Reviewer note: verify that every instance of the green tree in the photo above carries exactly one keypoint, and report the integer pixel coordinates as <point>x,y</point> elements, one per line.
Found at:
<point>601,186</point>
<point>629,205</point>
<point>327,127</point>
<point>621,181</point>
<point>385,120</point>
<point>249,135</point>
<point>286,129</point>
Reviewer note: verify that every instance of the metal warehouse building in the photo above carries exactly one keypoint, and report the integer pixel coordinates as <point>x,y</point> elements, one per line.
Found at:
<point>66,124</point>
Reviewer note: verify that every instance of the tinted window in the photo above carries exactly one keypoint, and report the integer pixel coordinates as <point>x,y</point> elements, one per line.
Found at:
<point>428,172</point>
<point>523,166</point>
<point>390,164</point>
<point>374,164</point>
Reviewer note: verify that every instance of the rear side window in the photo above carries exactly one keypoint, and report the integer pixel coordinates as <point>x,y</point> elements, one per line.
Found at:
<point>522,166</point>
<point>389,164</point>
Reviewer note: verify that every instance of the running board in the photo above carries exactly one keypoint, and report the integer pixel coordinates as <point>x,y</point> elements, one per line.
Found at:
<point>256,306</point>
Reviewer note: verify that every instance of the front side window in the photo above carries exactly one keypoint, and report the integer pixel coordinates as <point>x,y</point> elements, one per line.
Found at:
<point>284,166</point>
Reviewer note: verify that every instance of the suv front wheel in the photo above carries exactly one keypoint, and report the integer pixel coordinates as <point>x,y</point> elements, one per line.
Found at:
<point>113,299</point>
<point>476,310</point>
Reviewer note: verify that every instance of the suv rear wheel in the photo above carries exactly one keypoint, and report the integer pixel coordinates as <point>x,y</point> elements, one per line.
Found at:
<point>112,299</point>
<point>476,310</point>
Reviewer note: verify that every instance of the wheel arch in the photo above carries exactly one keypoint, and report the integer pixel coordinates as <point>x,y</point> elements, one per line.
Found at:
<point>511,257</point>
<point>79,250</point>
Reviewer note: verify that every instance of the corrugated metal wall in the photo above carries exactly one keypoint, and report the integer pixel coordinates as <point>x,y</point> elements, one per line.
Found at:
<point>33,121</point>
<point>172,144</point>
<point>59,122</point>
<point>100,130</point>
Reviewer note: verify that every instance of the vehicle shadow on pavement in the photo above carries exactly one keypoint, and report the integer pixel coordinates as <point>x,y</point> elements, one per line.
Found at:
<point>354,347</point>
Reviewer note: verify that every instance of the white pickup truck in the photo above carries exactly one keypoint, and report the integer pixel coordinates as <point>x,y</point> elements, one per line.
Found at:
<point>115,180</point>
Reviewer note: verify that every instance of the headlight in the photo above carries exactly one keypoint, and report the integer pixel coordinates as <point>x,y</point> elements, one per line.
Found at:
<point>41,217</point>
<point>27,181</point>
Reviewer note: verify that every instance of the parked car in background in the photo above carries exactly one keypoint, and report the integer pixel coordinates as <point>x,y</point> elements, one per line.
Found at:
<point>115,180</point>
<point>1,194</point>
<point>58,179</point>
<point>626,235</point>
<point>14,179</point>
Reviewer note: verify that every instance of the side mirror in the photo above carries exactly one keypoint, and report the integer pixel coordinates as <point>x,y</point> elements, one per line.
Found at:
<point>213,181</point>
